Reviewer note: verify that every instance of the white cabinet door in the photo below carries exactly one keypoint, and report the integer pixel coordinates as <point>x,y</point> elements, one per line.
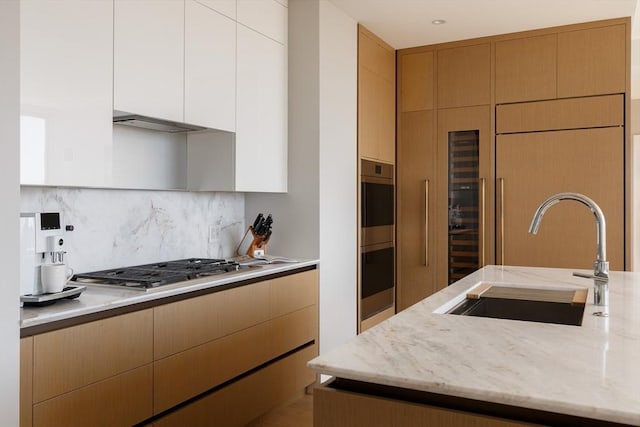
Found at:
<point>225,7</point>
<point>268,17</point>
<point>66,85</point>
<point>210,68</point>
<point>149,58</point>
<point>261,122</point>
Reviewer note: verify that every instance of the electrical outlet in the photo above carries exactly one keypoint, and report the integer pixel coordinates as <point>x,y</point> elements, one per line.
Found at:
<point>212,233</point>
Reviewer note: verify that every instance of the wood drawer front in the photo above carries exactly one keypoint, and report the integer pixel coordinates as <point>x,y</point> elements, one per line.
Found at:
<point>74,357</point>
<point>187,374</point>
<point>250,397</point>
<point>122,400</point>
<point>336,408</point>
<point>592,61</point>
<point>189,323</point>
<point>26,382</point>
<point>575,113</point>
<point>291,293</point>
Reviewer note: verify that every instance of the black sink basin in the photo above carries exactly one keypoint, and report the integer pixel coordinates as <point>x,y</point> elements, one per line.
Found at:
<point>518,309</point>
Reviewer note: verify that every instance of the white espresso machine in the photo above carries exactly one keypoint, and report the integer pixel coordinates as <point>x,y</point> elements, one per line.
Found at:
<point>41,242</point>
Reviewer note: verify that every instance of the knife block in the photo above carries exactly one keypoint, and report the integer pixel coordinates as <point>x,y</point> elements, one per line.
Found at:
<point>258,246</point>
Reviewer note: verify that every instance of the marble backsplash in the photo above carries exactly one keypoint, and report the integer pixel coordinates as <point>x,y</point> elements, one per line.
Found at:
<point>114,228</point>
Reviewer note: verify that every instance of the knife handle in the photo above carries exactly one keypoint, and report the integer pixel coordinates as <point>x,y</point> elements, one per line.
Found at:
<point>257,221</point>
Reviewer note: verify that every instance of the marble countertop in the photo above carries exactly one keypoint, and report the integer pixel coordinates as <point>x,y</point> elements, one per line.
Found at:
<point>590,371</point>
<point>97,299</point>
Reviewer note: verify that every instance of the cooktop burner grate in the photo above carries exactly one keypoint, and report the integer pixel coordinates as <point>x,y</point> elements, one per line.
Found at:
<point>153,275</point>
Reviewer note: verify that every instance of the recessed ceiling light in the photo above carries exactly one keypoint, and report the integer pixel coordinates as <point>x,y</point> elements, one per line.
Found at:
<point>438,21</point>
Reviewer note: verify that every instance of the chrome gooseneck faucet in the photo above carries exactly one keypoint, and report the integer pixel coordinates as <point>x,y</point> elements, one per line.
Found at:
<point>601,265</point>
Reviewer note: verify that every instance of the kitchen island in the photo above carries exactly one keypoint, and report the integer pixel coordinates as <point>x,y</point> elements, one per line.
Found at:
<point>462,370</point>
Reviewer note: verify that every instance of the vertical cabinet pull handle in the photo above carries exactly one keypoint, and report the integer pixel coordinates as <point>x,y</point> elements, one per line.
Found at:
<point>426,222</point>
<point>501,185</point>
<point>481,241</point>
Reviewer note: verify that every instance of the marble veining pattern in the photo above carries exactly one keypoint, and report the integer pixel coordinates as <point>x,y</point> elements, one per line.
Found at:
<point>115,228</point>
<point>591,370</point>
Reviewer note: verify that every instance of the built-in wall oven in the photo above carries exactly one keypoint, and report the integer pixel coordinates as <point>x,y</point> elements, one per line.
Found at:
<point>377,251</point>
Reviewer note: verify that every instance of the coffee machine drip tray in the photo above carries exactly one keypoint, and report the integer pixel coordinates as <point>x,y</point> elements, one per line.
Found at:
<point>69,292</point>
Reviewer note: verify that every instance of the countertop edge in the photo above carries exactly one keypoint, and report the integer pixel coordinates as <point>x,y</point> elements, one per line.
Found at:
<point>136,300</point>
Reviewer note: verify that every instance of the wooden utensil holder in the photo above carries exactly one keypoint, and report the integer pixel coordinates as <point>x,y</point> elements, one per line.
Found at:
<point>258,246</point>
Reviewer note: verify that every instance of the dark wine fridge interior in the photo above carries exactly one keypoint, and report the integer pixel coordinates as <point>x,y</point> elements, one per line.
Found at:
<point>464,238</point>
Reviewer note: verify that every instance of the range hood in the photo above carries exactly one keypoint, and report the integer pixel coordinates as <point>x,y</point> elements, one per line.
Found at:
<point>152,123</point>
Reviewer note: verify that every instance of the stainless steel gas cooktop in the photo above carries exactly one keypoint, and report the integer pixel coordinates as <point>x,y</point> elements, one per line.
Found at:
<point>149,276</point>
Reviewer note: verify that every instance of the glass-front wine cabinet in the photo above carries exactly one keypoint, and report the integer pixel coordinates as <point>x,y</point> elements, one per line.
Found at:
<point>464,196</point>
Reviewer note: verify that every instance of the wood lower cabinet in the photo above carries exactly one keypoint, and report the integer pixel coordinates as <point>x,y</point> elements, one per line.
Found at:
<point>81,373</point>
<point>247,345</point>
<point>122,400</point>
<point>202,342</point>
<point>249,397</point>
<point>338,408</point>
<point>26,382</point>
<point>534,166</point>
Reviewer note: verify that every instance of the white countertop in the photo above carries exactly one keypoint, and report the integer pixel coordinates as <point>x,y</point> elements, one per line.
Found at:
<point>590,371</point>
<point>99,298</point>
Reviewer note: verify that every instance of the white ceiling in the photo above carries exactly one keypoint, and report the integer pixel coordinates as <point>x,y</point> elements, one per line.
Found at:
<point>407,23</point>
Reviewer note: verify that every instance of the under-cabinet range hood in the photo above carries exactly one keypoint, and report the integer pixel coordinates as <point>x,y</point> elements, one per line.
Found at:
<point>152,123</point>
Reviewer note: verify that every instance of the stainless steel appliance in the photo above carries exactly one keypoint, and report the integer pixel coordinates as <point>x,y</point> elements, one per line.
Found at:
<point>151,276</point>
<point>41,242</point>
<point>377,249</point>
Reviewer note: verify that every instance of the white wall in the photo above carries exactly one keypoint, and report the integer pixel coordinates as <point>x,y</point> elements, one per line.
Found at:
<point>9,214</point>
<point>338,175</point>
<point>317,217</point>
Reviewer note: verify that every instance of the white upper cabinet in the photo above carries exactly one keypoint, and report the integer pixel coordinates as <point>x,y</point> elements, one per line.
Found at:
<point>261,127</point>
<point>254,159</point>
<point>210,68</point>
<point>268,17</point>
<point>66,63</point>
<point>225,7</point>
<point>149,58</point>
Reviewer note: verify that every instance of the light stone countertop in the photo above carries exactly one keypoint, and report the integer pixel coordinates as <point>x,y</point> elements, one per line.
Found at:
<point>590,371</point>
<point>97,299</point>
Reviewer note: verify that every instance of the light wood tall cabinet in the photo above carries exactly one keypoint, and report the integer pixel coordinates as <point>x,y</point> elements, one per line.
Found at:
<point>416,178</point>
<point>526,68</point>
<point>444,131</point>
<point>376,98</point>
<point>571,154</point>
<point>464,75</point>
<point>511,119</point>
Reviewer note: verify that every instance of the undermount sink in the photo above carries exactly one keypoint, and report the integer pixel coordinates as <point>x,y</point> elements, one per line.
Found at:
<point>560,306</point>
